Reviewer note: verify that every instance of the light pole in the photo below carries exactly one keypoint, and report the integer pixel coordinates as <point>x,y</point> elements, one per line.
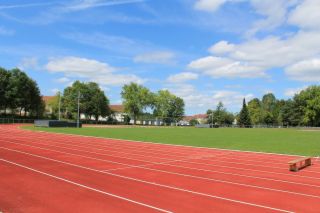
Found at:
<point>59,106</point>
<point>78,117</point>
<point>212,119</point>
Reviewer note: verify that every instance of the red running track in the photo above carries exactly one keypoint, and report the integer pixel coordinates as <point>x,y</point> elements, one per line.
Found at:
<point>49,172</point>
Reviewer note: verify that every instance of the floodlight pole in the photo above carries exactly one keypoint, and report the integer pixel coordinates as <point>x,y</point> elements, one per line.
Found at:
<point>212,119</point>
<point>59,106</point>
<point>78,117</point>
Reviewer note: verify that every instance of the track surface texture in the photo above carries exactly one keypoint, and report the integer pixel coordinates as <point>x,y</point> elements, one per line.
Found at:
<point>49,172</point>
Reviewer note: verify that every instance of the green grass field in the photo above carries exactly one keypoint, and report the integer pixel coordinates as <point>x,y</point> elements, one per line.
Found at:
<point>286,141</point>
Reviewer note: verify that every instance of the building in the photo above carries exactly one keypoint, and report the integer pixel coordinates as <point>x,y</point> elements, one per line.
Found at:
<point>117,112</point>
<point>201,118</point>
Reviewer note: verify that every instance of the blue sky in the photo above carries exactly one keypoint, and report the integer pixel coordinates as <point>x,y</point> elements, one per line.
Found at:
<point>205,51</point>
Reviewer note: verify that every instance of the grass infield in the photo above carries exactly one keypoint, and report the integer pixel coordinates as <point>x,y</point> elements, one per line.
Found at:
<point>284,141</point>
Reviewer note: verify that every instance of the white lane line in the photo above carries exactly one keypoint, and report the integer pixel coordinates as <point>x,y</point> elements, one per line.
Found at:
<point>160,163</point>
<point>84,186</point>
<point>229,167</point>
<point>179,174</point>
<point>183,159</point>
<point>156,184</point>
<point>244,158</point>
<point>77,137</point>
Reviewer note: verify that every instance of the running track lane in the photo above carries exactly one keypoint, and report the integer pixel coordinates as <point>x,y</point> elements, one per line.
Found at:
<point>169,179</point>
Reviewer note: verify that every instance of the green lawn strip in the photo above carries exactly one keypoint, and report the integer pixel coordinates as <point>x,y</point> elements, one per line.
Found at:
<point>283,141</point>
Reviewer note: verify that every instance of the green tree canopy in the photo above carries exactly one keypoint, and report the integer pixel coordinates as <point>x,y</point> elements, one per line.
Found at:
<point>136,98</point>
<point>220,115</point>
<point>4,88</point>
<point>255,111</point>
<point>308,103</point>
<point>20,93</point>
<point>244,117</point>
<point>93,102</point>
<point>168,106</point>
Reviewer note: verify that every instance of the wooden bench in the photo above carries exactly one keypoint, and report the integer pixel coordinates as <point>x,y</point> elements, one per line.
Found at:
<point>296,165</point>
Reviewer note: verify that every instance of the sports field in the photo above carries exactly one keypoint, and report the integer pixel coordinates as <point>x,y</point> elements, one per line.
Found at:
<point>283,141</point>
<point>50,172</point>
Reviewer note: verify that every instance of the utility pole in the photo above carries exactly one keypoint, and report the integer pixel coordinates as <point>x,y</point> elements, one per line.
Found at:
<point>59,106</point>
<point>78,120</point>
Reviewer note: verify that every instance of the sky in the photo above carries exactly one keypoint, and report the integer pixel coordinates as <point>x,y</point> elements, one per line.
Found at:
<point>204,51</point>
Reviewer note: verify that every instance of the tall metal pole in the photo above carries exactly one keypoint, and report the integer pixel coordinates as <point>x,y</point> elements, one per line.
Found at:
<point>212,119</point>
<point>78,110</point>
<point>59,106</point>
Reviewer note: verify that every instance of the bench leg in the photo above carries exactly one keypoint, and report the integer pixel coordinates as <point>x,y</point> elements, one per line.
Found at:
<point>293,168</point>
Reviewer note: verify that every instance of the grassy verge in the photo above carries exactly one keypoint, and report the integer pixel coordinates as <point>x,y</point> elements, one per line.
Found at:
<point>285,141</point>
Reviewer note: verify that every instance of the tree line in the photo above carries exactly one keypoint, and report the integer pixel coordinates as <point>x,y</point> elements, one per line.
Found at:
<point>139,102</point>
<point>19,94</point>
<point>301,110</point>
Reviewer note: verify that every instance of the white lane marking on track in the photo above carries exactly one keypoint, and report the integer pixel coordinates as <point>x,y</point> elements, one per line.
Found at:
<point>143,166</point>
<point>185,159</point>
<point>250,158</point>
<point>175,173</point>
<point>181,160</point>
<point>157,184</point>
<point>77,136</point>
<point>84,186</point>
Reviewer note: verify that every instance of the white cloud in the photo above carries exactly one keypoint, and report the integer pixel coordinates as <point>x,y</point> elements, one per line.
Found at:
<point>90,69</point>
<point>29,63</point>
<point>307,70</point>
<point>182,77</point>
<point>306,15</point>
<point>290,92</point>
<point>274,12</point>
<point>218,67</point>
<point>221,47</point>
<point>209,5</point>
<point>198,100</point>
<point>79,67</point>
<point>158,57</point>
<point>254,57</point>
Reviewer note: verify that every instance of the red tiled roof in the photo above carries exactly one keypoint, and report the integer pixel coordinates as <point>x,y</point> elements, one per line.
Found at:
<point>198,116</point>
<point>117,108</point>
<point>46,99</point>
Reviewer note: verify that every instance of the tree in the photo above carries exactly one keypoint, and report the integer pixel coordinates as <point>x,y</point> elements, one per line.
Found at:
<point>244,117</point>
<point>93,102</point>
<point>220,115</point>
<point>99,103</point>
<point>23,94</point>
<point>168,106</point>
<point>255,111</point>
<point>308,104</point>
<point>177,109</point>
<point>290,114</point>
<point>136,98</point>
<point>4,83</point>
<point>194,122</point>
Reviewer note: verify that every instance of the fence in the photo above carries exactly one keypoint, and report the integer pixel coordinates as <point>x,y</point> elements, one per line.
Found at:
<point>16,121</point>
